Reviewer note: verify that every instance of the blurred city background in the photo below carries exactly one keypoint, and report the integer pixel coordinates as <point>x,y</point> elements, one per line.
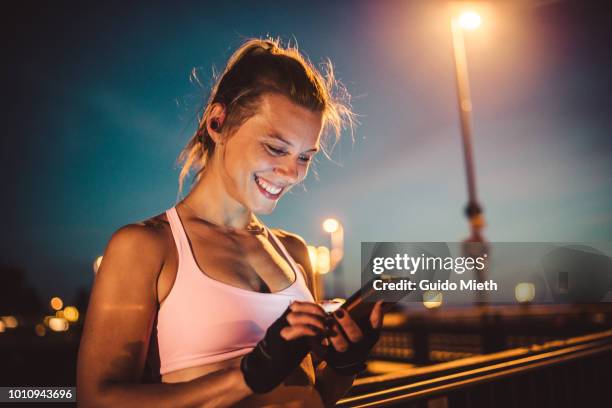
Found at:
<point>98,104</point>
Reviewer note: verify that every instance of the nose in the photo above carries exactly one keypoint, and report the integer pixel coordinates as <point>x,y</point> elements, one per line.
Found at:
<point>288,169</point>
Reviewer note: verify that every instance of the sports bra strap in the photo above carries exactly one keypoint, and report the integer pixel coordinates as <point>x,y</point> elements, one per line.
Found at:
<point>178,233</point>
<point>294,265</point>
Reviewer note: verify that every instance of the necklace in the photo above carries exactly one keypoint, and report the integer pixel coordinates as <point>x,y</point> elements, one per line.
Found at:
<point>254,227</point>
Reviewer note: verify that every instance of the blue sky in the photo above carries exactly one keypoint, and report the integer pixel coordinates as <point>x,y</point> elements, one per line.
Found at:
<point>102,105</point>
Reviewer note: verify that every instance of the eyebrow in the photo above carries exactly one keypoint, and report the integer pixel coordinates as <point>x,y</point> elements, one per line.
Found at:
<point>275,135</point>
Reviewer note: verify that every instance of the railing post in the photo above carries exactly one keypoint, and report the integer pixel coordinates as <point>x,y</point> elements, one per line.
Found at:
<point>421,342</point>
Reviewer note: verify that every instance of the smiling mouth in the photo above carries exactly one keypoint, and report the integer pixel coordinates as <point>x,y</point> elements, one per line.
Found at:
<point>268,189</point>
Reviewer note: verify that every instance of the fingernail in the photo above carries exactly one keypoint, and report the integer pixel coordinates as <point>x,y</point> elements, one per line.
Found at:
<point>339,313</point>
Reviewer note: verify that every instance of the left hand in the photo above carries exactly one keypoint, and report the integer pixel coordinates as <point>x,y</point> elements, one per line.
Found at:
<point>351,343</point>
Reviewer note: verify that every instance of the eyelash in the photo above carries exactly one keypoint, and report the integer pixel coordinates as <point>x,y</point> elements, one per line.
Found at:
<point>279,152</point>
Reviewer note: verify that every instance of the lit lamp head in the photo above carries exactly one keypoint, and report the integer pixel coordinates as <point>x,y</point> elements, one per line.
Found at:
<point>331,225</point>
<point>469,20</point>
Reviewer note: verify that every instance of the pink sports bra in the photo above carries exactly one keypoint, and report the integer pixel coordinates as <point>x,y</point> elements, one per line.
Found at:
<point>204,321</point>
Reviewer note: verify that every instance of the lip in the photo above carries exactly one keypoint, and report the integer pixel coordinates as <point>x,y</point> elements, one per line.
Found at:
<point>264,192</point>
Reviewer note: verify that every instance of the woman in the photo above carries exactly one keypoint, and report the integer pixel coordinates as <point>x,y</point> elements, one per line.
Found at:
<point>224,302</point>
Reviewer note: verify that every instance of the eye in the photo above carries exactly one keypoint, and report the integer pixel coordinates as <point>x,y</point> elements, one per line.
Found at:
<point>274,151</point>
<point>305,159</point>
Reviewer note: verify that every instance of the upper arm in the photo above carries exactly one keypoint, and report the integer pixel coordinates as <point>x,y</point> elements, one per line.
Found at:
<point>121,310</point>
<point>297,248</point>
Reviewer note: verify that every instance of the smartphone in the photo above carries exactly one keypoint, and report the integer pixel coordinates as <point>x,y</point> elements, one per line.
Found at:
<point>359,306</point>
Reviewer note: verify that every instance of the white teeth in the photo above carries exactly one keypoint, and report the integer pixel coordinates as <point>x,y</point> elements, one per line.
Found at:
<point>267,186</point>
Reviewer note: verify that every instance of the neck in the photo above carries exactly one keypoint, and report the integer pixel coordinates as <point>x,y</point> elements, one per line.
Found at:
<point>209,200</point>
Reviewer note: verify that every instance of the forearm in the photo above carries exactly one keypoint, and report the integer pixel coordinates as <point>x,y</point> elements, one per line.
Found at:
<point>222,388</point>
<point>331,385</point>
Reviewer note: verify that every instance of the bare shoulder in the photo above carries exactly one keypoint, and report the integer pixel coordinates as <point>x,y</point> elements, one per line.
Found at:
<point>146,242</point>
<point>148,235</point>
<point>149,232</point>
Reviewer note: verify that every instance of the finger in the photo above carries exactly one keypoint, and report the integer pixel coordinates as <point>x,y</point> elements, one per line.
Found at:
<point>350,328</point>
<point>307,307</point>
<point>296,332</point>
<point>376,317</point>
<point>298,318</point>
<point>338,340</point>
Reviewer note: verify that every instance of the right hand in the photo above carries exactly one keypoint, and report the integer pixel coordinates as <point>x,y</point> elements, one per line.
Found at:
<point>305,319</point>
<point>286,343</point>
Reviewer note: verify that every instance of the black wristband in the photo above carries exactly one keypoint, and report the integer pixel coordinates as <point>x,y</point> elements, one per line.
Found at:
<point>273,359</point>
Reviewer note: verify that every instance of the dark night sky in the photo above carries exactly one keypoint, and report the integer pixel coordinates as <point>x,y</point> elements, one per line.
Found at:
<point>97,105</point>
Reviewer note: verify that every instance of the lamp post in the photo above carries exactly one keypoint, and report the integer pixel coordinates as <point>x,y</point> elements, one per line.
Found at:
<point>336,231</point>
<point>321,264</point>
<point>475,245</point>
<point>468,21</point>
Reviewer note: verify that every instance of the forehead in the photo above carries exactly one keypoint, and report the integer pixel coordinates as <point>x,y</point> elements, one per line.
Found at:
<point>292,122</point>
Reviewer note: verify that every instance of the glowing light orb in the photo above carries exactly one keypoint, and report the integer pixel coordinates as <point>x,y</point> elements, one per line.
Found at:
<point>9,321</point>
<point>470,20</point>
<point>71,314</point>
<point>524,292</point>
<point>58,324</point>
<point>56,303</point>
<point>331,225</point>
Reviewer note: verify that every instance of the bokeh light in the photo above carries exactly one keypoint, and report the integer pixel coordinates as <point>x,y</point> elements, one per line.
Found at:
<point>312,254</point>
<point>71,314</point>
<point>524,292</point>
<point>432,299</point>
<point>58,324</point>
<point>40,330</point>
<point>56,303</point>
<point>2,327</point>
<point>9,321</point>
<point>323,260</point>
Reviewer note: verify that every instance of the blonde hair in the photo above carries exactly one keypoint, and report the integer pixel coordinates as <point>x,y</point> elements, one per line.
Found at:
<point>257,67</point>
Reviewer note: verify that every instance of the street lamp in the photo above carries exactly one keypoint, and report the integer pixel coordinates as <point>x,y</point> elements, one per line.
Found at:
<point>475,245</point>
<point>466,21</point>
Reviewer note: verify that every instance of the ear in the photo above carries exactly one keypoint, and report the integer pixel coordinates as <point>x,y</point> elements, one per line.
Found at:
<point>217,115</point>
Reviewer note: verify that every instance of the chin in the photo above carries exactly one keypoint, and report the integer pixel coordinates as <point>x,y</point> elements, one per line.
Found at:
<point>263,209</point>
<point>259,204</point>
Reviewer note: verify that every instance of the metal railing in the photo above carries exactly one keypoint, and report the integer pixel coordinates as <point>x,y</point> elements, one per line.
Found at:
<point>567,373</point>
